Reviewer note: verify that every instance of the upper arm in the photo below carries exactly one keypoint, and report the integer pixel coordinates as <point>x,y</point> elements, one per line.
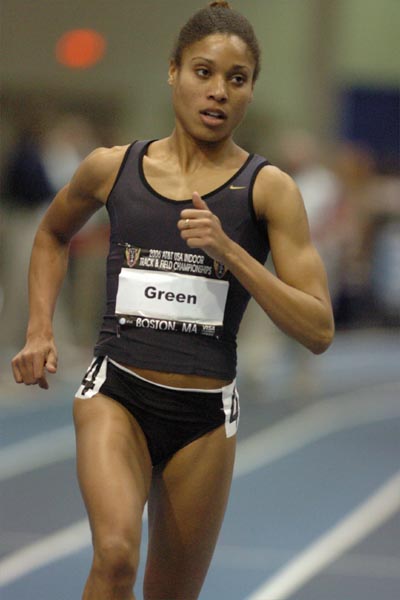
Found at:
<point>278,201</point>
<point>86,193</point>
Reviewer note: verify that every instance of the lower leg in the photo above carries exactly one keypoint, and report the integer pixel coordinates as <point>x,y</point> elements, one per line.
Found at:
<point>94,590</point>
<point>114,569</point>
<point>112,575</point>
<point>98,589</point>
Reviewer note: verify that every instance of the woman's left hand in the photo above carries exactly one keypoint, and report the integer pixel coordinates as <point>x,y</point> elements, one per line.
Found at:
<point>200,228</point>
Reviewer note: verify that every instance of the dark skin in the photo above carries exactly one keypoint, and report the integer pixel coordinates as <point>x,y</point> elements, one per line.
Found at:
<point>211,90</point>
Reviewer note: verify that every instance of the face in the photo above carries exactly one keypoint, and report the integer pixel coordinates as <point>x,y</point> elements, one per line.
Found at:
<point>213,86</point>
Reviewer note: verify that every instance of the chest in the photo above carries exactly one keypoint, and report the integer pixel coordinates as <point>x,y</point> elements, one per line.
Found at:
<point>171,182</point>
<point>145,205</point>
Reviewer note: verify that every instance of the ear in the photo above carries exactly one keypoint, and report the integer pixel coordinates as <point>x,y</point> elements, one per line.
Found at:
<point>172,71</point>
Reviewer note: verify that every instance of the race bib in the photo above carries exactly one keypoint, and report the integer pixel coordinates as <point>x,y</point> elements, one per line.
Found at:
<point>173,297</point>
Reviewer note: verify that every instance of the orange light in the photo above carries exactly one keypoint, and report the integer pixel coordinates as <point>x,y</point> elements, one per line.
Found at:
<point>80,48</point>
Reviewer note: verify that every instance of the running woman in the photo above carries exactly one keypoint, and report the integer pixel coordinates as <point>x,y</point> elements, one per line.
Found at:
<point>193,217</point>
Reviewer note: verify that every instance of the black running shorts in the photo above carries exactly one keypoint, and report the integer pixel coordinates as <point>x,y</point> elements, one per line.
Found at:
<point>170,417</point>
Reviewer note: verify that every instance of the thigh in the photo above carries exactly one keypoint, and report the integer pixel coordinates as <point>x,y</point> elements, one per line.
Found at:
<point>114,470</point>
<point>186,507</point>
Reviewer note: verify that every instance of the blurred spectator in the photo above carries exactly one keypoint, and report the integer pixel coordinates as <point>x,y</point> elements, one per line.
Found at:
<point>64,146</point>
<point>38,166</point>
<point>370,290</point>
<point>384,200</point>
<point>356,168</point>
<point>26,181</point>
<point>371,205</point>
<point>302,156</point>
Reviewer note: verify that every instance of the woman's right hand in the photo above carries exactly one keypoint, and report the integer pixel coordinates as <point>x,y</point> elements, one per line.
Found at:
<point>38,357</point>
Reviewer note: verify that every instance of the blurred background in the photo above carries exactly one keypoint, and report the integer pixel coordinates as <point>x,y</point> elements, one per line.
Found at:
<point>75,75</point>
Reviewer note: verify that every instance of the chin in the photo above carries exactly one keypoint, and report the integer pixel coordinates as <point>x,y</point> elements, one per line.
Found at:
<point>211,137</point>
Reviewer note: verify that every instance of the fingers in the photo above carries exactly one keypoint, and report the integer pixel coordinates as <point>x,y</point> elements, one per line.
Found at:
<point>16,371</point>
<point>201,228</point>
<point>198,201</point>
<point>51,363</point>
<point>189,226</point>
<point>42,382</point>
<point>38,363</point>
<point>27,368</point>
<point>30,366</point>
<point>198,216</point>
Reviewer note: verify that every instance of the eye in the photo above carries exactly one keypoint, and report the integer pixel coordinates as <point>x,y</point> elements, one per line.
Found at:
<point>239,79</point>
<point>202,72</point>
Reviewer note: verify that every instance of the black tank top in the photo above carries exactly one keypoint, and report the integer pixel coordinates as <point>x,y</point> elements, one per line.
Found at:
<point>153,320</point>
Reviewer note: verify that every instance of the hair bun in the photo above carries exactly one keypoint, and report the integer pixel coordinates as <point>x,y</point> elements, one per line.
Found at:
<point>219,4</point>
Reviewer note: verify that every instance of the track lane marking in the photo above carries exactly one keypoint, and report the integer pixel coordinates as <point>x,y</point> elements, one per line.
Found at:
<point>348,532</point>
<point>49,549</point>
<point>36,452</point>
<point>315,422</point>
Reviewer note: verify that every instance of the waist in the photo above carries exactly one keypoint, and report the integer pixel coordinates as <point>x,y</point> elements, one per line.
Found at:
<point>179,380</point>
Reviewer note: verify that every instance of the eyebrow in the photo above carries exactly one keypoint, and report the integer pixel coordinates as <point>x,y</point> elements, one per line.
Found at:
<point>212,62</point>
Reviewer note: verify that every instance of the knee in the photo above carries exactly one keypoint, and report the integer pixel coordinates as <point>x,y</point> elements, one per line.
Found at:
<point>116,559</point>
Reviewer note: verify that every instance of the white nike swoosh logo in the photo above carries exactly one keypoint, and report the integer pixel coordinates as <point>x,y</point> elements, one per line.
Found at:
<point>237,187</point>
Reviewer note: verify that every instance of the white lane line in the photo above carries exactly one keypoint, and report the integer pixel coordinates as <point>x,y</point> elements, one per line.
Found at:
<point>36,452</point>
<point>275,442</point>
<point>367,517</point>
<point>49,549</point>
<point>316,422</point>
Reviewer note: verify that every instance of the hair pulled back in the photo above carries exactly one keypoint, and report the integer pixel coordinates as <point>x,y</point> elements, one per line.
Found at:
<point>217,17</point>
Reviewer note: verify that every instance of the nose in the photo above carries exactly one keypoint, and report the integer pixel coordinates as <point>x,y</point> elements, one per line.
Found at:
<point>217,90</point>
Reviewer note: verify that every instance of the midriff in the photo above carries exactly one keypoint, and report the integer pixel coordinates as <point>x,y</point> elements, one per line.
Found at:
<point>180,380</point>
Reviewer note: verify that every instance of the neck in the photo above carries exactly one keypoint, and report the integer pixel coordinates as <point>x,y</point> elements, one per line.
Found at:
<point>192,153</point>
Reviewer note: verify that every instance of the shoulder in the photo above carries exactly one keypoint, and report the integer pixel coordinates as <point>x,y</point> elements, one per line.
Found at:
<point>96,174</point>
<point>275,193</point>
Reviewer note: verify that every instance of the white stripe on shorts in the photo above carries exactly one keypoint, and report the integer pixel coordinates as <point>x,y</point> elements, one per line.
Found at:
<point>93,381</point>
<point>230,399</point>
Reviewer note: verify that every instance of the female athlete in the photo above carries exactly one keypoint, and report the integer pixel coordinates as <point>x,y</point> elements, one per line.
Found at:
<point>193,217</point>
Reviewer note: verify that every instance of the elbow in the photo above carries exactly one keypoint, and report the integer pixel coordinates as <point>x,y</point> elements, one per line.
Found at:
<point>321,342</point>
<point>320,347</point>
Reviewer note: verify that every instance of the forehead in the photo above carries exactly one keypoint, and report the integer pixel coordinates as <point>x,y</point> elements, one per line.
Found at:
<point>221,48</point>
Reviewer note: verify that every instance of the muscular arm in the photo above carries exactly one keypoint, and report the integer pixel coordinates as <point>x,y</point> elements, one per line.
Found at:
<point>50,256</point>
<point>297,297</point>
<point>70,209</point>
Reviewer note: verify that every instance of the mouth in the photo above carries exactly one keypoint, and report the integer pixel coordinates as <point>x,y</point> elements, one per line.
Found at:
<point>213,116</point>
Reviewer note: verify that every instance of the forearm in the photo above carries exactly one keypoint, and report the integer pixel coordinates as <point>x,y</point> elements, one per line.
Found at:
<point>47,270</point>
<point>301,315</point>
